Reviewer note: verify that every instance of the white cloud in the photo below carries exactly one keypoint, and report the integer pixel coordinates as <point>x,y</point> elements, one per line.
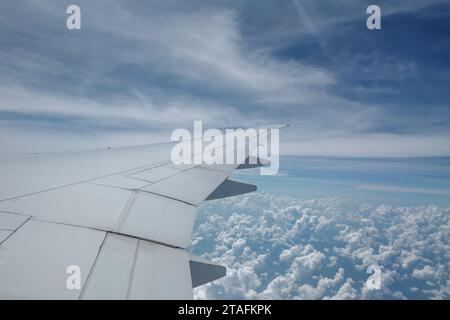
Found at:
<point>426,273</point>
<point>284,248</point>
<point>324,285</point>
<point>346,292</point>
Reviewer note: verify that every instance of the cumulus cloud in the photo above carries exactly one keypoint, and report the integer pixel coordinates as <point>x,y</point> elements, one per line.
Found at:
<point>286,248</point>
<point>426,273</point>
<point>346,292</point>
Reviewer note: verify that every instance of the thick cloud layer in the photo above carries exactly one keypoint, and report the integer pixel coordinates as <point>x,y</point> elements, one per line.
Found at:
<point>285,248</point>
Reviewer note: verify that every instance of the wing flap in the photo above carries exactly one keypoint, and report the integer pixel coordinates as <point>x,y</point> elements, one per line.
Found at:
<point>192,186</point>
<point>161,272</point>
<point>10,221</point>
<point>159,219</point>
<point>111,274</point>
<point>129,268</point>
<point>35,259</point>
<point>4,234</point>
<point>155,174</point>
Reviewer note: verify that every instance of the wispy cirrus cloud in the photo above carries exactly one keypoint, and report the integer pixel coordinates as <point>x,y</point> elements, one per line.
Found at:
<point>156,66</point>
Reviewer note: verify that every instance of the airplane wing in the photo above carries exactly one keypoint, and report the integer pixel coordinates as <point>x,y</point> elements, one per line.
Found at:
<point>122,216</point>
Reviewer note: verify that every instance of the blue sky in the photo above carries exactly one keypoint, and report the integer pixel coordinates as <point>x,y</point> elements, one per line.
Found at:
<point>137,70</point>
<point>399,181</point>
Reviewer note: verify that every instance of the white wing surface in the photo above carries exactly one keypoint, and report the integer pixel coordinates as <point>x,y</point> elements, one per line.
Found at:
<point>123,216</point>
